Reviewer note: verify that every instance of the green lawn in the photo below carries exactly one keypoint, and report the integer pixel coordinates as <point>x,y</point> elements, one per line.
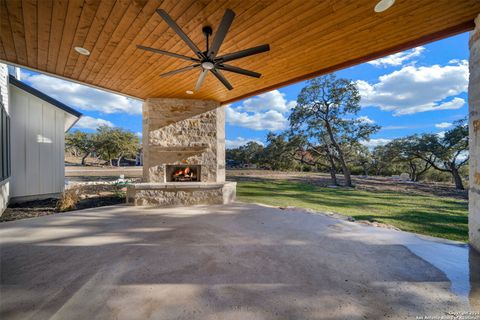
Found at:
<point>436,216</point>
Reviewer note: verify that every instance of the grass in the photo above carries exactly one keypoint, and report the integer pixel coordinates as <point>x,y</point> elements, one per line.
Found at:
<point>435,216</point>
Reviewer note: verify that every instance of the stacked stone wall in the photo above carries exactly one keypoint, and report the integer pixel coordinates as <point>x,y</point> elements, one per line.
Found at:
<point>474,126</point>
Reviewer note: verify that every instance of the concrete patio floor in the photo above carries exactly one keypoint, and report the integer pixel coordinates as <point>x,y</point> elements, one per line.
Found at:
<point>239,261</point>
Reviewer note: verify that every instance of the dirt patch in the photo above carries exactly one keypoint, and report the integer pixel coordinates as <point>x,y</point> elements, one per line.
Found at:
<point>362,183</point>
<point>29,209</point>
<point>91,196</point>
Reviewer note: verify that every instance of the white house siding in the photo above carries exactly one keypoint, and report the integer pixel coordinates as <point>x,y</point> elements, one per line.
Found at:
<point>38,128</point>
<point>4,84</point>
<point>4,185</point>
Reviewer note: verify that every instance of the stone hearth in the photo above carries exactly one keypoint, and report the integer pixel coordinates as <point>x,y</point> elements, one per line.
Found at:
<point>180,134</point>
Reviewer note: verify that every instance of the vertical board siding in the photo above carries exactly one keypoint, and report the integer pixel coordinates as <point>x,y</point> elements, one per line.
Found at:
<point>19,120</point>
<point>47,182</point>
<point>34,129</point>
<point>59,151</point>
<point>37,146</point>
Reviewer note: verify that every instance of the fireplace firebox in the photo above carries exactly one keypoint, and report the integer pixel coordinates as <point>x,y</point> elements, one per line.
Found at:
<point>182,173</point>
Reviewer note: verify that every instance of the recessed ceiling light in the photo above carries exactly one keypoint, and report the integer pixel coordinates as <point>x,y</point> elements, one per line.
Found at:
<point>189,92</point>
<point>383,5</point>
<point>83,51</point>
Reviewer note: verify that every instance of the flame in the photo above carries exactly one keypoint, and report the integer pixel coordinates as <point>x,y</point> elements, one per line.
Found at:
<point>186,172</point>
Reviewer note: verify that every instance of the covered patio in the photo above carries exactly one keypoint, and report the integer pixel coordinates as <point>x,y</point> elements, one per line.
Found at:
<point>100,43</point>
<point>230,260</point>
<point>237,261</point>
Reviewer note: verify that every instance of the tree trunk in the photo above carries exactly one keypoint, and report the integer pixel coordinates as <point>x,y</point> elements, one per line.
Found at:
<point>457,179</point>
<point>413,172</point>
<point>118,161</point>
<point>111,162</point>
<point>422,172</point>
<point>346,171</point>
<point>85,158</point>
<point>333,171</point>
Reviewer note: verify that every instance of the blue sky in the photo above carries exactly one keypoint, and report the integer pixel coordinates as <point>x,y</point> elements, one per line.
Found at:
<point>419,90</point>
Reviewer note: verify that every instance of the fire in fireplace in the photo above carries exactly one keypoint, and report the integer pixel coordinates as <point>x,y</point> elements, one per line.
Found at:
<point>182,173</point>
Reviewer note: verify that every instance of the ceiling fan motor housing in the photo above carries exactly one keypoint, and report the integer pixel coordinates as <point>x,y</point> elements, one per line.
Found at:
<point>208,65</point>
<point>207,30</point>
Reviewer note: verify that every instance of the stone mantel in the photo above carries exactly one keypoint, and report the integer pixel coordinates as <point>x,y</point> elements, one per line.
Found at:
<point>156,148</point>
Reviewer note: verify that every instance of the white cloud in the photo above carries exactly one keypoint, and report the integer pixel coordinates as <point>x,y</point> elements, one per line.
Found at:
<point>87,122</point>
<point>82,97</point>
<point>396,127</point>
<point>231,144</point>
<point>417,89</point>
<point>366,120</point>
<point>270,120</point>
<point>273,100</point>
<point>139,134</point>
<point>372,143</point>
<point>397,59</point>
<point>441,134</point>
<point>443,125</point>
<point>267,111</point>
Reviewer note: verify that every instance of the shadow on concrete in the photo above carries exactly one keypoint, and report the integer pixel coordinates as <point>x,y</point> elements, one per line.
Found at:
<point>220,262</point>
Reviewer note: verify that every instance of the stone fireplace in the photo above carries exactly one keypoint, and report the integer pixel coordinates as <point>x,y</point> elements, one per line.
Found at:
<point>184,154</point>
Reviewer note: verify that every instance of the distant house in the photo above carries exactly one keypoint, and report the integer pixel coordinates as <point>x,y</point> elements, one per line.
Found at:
<point>34,142</point>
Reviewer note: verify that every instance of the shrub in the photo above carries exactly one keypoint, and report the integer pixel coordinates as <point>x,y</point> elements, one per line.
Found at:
<point>68,201</point>
<point>118,190</point>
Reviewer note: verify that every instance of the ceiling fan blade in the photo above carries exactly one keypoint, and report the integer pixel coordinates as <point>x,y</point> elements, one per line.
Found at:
<point>170,73</point>
<point>243,53</point>
<point>222,79</point>
<point>171,54</point>
<point>221,33</point>
<point>234,69</point>
<point>180,32</point>
<point>201,79</point>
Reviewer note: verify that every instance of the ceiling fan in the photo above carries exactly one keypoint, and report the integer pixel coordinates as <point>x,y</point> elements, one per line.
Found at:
<point>208,60</point>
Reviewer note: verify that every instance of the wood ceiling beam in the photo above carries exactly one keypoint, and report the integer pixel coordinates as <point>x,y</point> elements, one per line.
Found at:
<point>307,38</point>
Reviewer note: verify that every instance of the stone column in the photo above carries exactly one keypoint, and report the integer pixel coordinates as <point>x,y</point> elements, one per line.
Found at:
<point>474,126</point>
<point>183,132</point>
<point>220,117</point>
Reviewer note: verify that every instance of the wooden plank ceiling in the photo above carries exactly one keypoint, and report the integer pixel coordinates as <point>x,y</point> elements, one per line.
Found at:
<point>306,37</point>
